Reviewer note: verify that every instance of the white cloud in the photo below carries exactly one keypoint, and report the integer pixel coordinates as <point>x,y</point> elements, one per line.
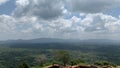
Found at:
<point>44,9</point>
<point>7,23</point>
<point>3,1</point>
<point>100,25</point>
<point>44,18</point>
<point>92,6</point>
<point>99,22</point>
<point>22,2</point>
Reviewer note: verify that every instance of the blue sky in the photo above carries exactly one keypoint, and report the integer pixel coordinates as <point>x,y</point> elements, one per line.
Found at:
<point>67,19</point>
<point>8,7</point>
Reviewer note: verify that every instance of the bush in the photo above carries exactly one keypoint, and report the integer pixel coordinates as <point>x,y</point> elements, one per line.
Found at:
<point>104,63</point>
<point>23,65</point>
<point>76,61</point>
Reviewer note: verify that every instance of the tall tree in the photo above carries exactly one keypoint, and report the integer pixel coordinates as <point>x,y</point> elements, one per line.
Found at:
<point>63,57</point>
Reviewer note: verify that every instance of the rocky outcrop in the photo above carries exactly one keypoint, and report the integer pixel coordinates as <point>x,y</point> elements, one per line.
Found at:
<point>77,66</point>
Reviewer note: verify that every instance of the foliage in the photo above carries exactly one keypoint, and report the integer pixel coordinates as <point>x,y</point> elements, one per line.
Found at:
<point>63,57</point>
<point>11,55</point>
<point>40,60</point>
<point>104,63</point>
<point>77,61</point>
<point>23,65</point>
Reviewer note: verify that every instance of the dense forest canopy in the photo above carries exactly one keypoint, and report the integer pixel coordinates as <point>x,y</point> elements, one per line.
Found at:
<point>15,52</point>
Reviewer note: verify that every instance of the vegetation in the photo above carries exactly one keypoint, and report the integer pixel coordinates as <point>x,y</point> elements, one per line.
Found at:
<point>23,65</point>
<point>77,61</point>
<point>104,63</point>
<point>63,57</point>
<point>40,60</point>
<point>38,55</point>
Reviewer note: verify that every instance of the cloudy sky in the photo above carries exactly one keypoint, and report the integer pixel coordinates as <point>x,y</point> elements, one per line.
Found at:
<point>68,19</point>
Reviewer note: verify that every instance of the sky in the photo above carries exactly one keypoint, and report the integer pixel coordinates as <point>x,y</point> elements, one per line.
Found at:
<point>66,19</point>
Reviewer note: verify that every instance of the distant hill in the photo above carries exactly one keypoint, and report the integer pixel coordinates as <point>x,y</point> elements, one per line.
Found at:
<point>55,40</point>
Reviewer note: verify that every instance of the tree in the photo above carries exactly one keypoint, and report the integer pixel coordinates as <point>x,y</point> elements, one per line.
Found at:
<point>63,57</point>
<point>76,61</point>
<point>23,65</point>
<point>40,60</point>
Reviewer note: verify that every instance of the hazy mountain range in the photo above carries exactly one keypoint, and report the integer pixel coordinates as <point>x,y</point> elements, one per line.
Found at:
<point>55,40</point>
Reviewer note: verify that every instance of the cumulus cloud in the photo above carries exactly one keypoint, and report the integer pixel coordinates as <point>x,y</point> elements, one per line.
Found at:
<point>45,18</point>
<point>7,23</point>
<point>92,25</point>
<point>97,22</point>
<point>3,1</point>
<point>44,9</point>
<point>91,6</point>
